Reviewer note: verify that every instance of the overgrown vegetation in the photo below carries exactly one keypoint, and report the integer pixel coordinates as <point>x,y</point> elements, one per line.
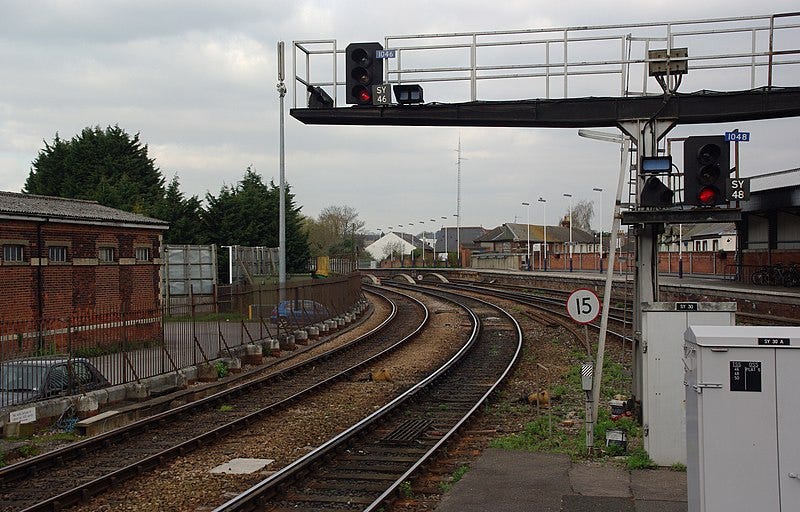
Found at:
<point>560,428</point>
<point>221,367</point>
<point>457,475</point>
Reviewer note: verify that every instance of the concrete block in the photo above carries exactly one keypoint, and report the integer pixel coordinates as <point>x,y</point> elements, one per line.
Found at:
<point>136,391</point>
<point>206,372</point>
<point>100,423</point>
<point>301,337</point>
<point>340,321</point>
<point>252,354</point>
<point>190,373</point>
<point>287,342</point>
<point>324,327</point>
<point>11,429</point>
<point>86,406</point>
<point>161,384</point>
<point>115,394</point>
<point>234,364</point>
<point>313,332</point>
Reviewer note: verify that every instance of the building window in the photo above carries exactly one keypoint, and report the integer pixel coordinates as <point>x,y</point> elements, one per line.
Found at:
<point>142,254</point>
<point>57,253</point>
<point>106,254</point>
<point>13,253</point>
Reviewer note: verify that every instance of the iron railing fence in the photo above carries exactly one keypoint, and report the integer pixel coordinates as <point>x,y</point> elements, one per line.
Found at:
<point>129,346</point>
<point>730,53</point>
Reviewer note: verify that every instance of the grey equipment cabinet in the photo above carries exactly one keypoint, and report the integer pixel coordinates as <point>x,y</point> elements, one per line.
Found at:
<point>661,357</point>
<point>742,418</point>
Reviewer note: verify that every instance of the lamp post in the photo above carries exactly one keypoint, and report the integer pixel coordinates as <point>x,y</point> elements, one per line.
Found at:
<point>423,242</point>
<point>446,254</point>
<point>402,248</point>
<point>434,243</point>
<point>600,248</point>
<point>529,233</point>
<point>570,230</point>
<point>544,223</point>
<point>412,243</point>
<point>458,238</point>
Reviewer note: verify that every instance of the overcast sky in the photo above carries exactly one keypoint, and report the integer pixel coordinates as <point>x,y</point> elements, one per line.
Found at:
<point>197,81</point>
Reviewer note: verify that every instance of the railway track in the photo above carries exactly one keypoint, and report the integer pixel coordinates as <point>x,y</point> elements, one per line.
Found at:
<point>63,477</point>
<point>366,466</point>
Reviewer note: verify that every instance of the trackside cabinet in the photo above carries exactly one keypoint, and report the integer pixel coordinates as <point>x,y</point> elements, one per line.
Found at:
<point>660,355</point>
<point>743,418</point>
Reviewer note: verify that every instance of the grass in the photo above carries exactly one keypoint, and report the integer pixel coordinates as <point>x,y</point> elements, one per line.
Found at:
<point>405,489</point>
<point>536,437</point>
<point>222,369</point>
<point>571,440</point>
<point>457,475</point>
<point>207,317</point>
<point>639,459</point>
<point>226,408</point>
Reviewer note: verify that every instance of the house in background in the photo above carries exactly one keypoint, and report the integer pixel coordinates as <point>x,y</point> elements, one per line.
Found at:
<point>394,245</point>
<point>66,257</point>
<point>507,246</point>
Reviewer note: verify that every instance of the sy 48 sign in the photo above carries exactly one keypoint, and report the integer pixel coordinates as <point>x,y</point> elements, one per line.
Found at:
<point>738,189</point>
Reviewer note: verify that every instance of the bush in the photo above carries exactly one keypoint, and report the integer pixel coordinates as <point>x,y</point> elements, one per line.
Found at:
<point>639,459</point>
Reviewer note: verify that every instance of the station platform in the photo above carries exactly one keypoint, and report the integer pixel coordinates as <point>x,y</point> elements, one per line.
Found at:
<point>511,481</point>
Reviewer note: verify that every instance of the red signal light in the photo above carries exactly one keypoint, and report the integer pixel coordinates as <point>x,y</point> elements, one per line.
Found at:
<point>708,195</point>
<point>362,94</point>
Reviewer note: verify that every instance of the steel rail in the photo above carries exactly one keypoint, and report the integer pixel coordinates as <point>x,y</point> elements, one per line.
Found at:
<point>255,497</point>
<point>83,491</point>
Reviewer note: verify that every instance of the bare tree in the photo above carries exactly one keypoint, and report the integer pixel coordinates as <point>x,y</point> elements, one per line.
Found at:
<point>582,214</point>
<point>337,232</point>
<point>392,248</point>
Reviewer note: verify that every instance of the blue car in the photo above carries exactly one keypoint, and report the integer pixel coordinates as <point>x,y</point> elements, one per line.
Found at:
<point>299,312</point>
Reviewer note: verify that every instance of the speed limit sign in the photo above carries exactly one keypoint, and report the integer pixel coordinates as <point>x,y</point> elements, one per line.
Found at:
<point>583,305</point>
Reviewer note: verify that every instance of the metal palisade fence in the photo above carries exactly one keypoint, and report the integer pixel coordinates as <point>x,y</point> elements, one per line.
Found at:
<point>131,345</point>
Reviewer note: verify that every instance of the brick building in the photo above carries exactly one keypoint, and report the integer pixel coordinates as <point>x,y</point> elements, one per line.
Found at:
<point>65,257</point>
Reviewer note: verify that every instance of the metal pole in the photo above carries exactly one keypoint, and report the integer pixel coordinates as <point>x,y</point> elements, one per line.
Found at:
<point>528,263</point>
<point>570,230</point>
<point>446,254</point>
<point>544,223</point>
<point>680,251</point>
<point>600,249</point>
<point>617,219</point>
<point>282,189</point>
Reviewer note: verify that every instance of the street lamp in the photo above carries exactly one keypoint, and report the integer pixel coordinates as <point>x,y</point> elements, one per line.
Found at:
<point>600,249</point>
<point>544,223</point>
<point>446,254</point>
<point>529,233</point>
<point>458,238</point>
<point>423,242</point>
<point>434,244</point>
<point>570,230</point>
<point>412,242</point>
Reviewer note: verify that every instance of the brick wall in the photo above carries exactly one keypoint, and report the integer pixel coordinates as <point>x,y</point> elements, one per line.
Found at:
<point>82,283</point>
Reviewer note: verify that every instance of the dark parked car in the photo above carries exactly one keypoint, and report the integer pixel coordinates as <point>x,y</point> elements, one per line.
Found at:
<point>37,378</point>
<point>299,312</point>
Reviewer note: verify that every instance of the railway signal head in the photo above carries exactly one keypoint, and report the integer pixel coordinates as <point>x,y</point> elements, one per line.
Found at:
<point>363,71</point>
<point>655,194</point>
<point>706,169</point>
